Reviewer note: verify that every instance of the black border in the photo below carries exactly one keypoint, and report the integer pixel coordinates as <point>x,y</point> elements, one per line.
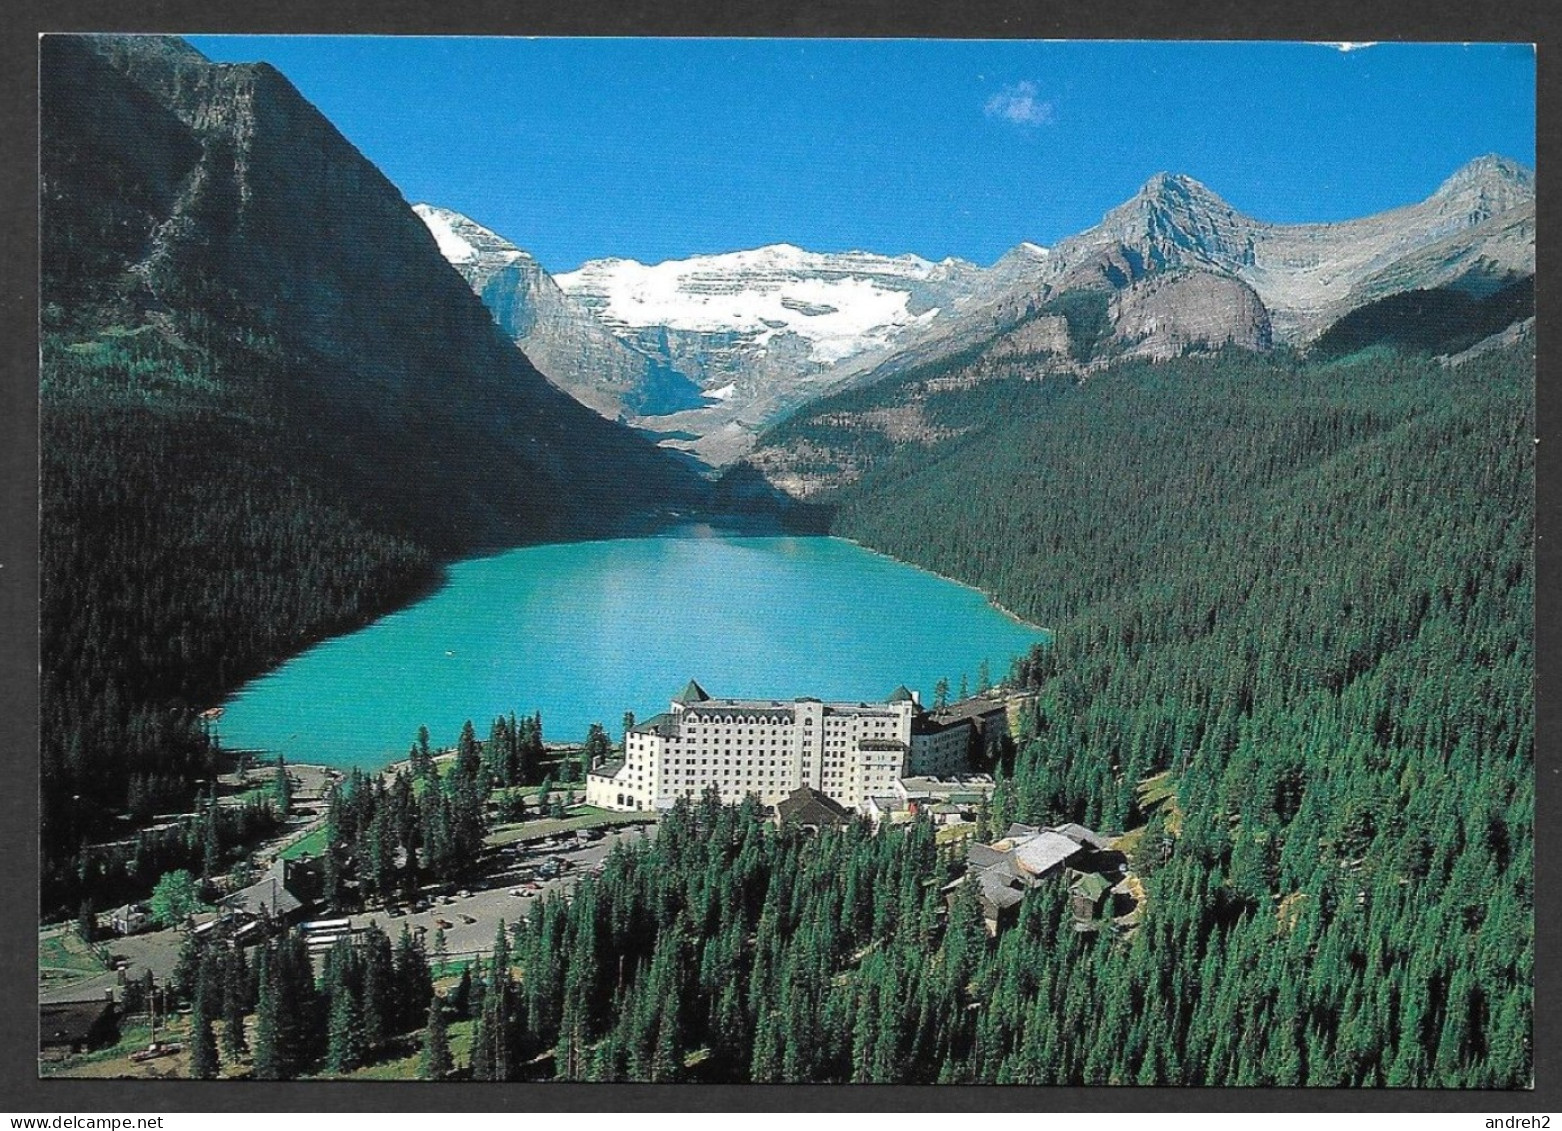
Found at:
<point>21,1092</point>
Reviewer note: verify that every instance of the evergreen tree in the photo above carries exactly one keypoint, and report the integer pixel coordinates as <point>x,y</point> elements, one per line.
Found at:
<point>435,1062</point>
<point>270,1061</point>
<point>235,1002</point>
<point>203,1045</point>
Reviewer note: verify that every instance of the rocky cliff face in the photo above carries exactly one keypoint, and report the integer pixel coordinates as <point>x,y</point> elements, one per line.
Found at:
<point>249,213</point>
<point>1166,315</point>
<point>737,341</point>
<point>560,336</point>
<point>1174,270</point>
<point>1229,278</point>
<point>1306,275</point>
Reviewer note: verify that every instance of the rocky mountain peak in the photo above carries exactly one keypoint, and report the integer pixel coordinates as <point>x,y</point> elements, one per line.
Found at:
<point>1178,194</point>
<point>1172,221</point>
<point>1491,183</point>
<point>463,241</point>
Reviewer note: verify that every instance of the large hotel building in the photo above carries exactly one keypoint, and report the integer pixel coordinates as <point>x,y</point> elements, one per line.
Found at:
<point>770,747</point>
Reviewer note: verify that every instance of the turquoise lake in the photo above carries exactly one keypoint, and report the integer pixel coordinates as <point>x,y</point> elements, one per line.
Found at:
<point>584,631</point>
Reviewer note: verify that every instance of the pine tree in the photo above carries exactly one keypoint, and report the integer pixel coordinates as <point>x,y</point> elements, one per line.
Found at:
<point>344,1050</point>
<point>235,993</point>
<point>435,1062</point>
<point>203,1046</point>
<point>270,1064</point>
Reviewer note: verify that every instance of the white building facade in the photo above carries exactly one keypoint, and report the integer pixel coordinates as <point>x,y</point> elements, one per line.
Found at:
<point>847,751</point>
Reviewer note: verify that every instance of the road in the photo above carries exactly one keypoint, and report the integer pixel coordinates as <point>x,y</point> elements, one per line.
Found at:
<point>486,907</point>
<point>158,951</point>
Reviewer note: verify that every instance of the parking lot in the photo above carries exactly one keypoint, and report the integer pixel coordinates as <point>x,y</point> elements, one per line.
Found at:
<point>473,918</point>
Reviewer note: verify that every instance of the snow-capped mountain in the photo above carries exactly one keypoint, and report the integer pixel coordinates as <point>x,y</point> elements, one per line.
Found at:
<point>838,305</point>
<point>707,351</point>
<point>770,328</point>
<point>561,337</point>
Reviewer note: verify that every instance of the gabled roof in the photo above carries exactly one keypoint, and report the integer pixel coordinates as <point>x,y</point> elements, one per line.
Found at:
<point>1081,835</point>
<point>1043,852</point>
<point>978,855</point>
<point>901,695</point>
<point>997,891</point>
<point>66,1022</point>
<point>691,693</point>
<point>1092,885</point>
<point>663,724</point>
<point>807,806</point>
<point>269,893</point>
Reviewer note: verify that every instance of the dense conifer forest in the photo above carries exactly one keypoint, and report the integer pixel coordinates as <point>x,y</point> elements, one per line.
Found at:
<point>1293,666</point>
<point>1304,594</point>
<point>181,555</point>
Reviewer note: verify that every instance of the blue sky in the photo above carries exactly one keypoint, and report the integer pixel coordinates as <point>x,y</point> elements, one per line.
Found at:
<point>656,149</point>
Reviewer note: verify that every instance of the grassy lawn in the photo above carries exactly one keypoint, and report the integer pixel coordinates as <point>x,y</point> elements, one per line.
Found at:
<point>406,1067</point>
<point>1128,843</point>
<point>1160,790</point>
<point>63,957</point>
<point>581,817</point>
<point>311,845</point>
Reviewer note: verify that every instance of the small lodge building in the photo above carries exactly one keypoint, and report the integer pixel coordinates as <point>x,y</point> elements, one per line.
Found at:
<point>130,919</point>
<point>287,890</point>
<point>69,1027</point>
<point>1088,896</point>
<point>811,809</point>
<point>1027,856</point>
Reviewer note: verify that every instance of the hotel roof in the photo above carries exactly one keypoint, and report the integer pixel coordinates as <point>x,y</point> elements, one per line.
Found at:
<point>691,693</point>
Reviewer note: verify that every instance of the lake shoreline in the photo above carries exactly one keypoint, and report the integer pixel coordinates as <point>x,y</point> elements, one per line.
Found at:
<point>988,597</point>
<point>581,631</point>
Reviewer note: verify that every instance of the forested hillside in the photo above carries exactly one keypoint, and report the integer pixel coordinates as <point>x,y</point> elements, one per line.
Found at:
<point>269,410</point>
<point>1305,592</point>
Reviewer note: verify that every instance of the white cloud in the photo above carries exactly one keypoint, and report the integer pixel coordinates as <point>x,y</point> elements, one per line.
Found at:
<point>1347,48</point>
<point>1020,104</point>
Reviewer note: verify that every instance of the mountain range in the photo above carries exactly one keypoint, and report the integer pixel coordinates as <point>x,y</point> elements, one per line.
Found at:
<point>717,347</point>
